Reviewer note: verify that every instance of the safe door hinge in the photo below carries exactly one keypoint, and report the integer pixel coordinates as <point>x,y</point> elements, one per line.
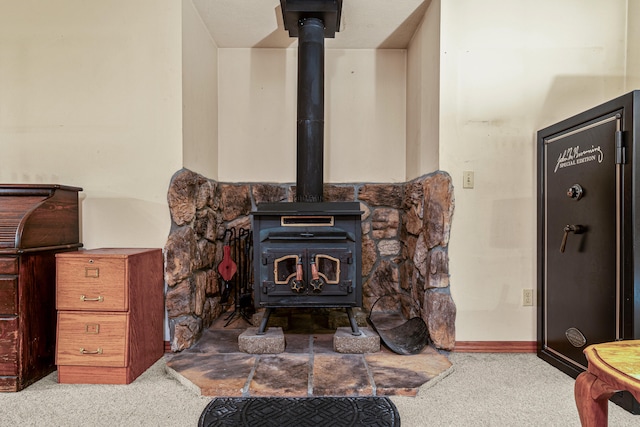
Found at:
<point>620,149</point>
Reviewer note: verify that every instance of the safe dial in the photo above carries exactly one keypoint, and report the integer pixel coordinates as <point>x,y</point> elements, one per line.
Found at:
<point>575,192</point>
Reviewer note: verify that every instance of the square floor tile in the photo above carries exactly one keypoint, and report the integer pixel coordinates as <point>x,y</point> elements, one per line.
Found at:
<point>340,375</point>
<point>281,375</point>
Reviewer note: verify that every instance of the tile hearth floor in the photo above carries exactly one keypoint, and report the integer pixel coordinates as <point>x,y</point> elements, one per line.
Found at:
<point>308,367</point>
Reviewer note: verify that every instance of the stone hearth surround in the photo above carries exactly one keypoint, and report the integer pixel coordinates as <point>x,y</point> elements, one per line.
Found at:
<point>405,237</point>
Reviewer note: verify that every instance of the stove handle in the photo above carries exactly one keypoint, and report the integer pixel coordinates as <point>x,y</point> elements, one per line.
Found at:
<point>297,284</point>
<point>316,282</point>
<point>571,228</point>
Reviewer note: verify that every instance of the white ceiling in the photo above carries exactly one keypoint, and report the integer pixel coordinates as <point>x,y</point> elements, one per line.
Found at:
<point>365,24</point>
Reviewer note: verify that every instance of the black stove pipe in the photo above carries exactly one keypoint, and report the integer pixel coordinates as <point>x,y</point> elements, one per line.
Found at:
<point>310,132</point>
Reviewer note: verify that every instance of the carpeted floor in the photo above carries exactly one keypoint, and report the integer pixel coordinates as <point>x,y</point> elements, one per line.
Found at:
<point>481,390</point>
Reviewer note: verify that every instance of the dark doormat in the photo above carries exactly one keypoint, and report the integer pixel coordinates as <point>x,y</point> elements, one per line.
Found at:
<point>300,412</point>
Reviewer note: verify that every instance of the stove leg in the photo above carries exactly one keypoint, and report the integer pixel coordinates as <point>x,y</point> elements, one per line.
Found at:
<point>352,320</point>
<point>263,322</point>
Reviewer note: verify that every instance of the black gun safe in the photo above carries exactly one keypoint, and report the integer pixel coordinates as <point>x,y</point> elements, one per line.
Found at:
<point>588,234</point>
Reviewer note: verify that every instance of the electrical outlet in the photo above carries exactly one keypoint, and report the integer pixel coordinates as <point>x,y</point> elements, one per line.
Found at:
<point>527,297</point>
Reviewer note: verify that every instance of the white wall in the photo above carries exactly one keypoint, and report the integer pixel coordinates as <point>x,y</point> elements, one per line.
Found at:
<point>91,97</point>
<point>509,68</point>
<point>423,95</point>
<point>633,46</point>
<point>365,106</point>
<point>257,95</point>
<point>92,93</point>
<point>199,94</point>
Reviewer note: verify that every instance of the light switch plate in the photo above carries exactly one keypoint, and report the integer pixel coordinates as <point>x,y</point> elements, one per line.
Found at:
<point>467,179</point>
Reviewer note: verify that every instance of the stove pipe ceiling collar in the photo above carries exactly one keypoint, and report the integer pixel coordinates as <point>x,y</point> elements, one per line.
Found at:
<point>329,11</point>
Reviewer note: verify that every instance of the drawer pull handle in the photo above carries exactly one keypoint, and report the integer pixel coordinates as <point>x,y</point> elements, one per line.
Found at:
<point>84,298</point>
<point>91,272</point>
<point>83,351</point>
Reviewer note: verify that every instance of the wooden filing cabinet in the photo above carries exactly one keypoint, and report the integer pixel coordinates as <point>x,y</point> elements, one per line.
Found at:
<point>110,306</point>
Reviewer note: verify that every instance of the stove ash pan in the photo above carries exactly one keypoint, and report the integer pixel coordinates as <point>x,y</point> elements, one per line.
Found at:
<point>307,255</point>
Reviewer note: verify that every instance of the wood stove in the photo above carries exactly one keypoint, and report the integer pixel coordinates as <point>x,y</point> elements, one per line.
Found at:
<point>307,253</point>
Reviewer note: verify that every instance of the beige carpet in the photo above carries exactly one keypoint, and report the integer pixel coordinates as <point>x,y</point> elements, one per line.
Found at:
<point>480,390</point>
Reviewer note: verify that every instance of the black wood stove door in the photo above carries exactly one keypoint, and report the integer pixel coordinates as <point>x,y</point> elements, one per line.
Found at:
<point>582,239</point>
<point>317,276</point>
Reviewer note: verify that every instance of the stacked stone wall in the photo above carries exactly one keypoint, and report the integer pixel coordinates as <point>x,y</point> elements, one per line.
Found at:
<point>405,236</point>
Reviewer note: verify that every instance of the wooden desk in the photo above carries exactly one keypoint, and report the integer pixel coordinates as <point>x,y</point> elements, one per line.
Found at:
<point>613,367</point>
<point>37,221</point>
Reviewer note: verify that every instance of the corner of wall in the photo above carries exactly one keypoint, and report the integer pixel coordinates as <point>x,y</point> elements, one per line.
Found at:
<point>423,95</point>
<point>199,94</point>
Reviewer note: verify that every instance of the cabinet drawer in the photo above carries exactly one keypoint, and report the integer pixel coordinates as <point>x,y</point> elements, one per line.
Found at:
<point>9,346</point>
<point>8,295</point>
<point>91,283</point>
<point>92,339</point>
<point>8,265</point>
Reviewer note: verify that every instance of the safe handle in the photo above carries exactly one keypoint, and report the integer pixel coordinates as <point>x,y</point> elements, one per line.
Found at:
<point>570,228</point>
